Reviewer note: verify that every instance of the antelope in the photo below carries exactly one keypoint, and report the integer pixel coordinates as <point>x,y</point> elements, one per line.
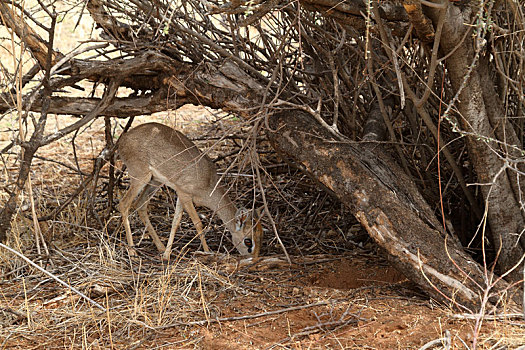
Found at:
<point>156,155</point>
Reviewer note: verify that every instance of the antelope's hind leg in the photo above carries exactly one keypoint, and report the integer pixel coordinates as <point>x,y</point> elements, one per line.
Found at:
<point>136,185</point>
<point>142,208</point>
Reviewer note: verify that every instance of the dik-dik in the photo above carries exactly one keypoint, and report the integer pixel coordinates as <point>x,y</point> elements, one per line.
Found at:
<point>156,155</point>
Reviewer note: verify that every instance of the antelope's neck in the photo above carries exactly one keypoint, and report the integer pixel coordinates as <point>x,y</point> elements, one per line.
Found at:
<point>220,202</point>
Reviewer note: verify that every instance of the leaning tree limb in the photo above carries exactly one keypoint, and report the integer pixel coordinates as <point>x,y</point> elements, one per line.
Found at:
<point>10,18</point>
<point>387,203</point>
<point>189,58</point>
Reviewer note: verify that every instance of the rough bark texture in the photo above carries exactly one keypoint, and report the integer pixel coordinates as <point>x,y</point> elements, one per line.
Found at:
<point>422,23</point>
<point>172,84</point>
<point>38,46</point>
<point>387,203</point>
<point>481,117</point>
<point>302,60</point>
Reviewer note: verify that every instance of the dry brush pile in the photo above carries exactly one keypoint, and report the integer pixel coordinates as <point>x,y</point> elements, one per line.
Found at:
<point>433,82</point>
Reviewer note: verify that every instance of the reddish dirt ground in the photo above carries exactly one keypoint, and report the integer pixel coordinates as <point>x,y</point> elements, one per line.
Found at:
<point>351,300</point>
<point>323,302</point>
<point>369,306</point>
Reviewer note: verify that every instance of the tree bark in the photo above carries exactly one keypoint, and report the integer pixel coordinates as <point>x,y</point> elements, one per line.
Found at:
<point>387,203</point>
<point>488,138</point>
<point>364,177</point>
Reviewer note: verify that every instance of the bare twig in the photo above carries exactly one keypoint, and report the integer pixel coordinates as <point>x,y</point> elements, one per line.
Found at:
<point>246,317</point>
<point>73,289</point>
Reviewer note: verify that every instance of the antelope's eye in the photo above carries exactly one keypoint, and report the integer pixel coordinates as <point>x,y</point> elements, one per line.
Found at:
<point>248,242</point>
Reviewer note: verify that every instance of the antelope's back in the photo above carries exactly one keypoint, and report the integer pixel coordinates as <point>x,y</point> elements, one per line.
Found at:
<point>169,155</point>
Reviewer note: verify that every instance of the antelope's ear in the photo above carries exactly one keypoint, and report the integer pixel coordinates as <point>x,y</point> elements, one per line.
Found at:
<point>258,212</point>
<point>240,218</point>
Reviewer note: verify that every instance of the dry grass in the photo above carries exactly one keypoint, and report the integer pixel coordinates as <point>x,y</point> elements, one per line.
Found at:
<point>175,306</point>
<point>338,294</point>
<point>335,295</point>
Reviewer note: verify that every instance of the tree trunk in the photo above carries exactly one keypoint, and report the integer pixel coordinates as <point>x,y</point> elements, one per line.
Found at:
<point>206,65</point>
<point>387,203</point>
<point>489,138</point>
